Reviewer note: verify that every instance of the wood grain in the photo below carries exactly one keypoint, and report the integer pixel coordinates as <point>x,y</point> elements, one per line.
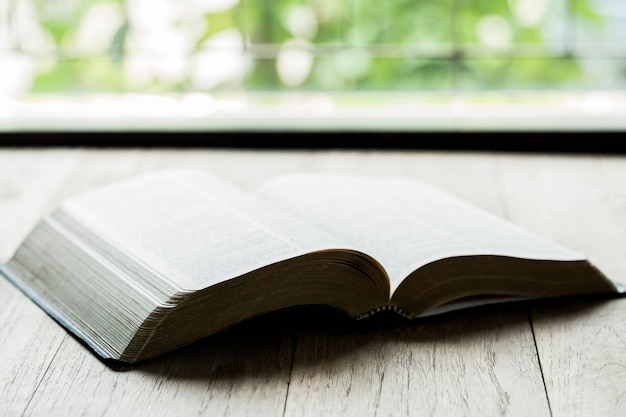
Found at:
<point>232,374</point>
<point>28,338</point>
<point>239,377</point>
<point>479,363</point>
<point>28,180</point>
<point>578,201</point>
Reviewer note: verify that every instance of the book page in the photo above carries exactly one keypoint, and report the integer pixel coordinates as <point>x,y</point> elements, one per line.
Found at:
<point>402,223</point>
<point>195,229</point>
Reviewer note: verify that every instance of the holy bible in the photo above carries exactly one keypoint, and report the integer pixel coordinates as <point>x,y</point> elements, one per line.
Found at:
<point>139,268</point>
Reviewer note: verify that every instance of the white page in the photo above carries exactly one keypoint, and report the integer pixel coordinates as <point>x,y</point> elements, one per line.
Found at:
<point>194,228</point>
<point>403,224</point>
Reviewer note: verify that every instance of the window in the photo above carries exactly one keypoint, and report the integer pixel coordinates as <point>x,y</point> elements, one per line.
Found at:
<point>201,57</point>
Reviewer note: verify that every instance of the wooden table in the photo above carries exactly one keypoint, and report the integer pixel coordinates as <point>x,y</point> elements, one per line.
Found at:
<point>565,359</point>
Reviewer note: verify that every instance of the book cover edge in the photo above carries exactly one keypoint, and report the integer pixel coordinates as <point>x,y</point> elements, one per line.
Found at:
<point>49,309</point>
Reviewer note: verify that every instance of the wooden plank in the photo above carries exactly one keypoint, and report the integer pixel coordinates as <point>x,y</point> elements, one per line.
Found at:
<point>475,364</point>
<point>32,182</point>
<point>581,203</point>
<point>233,374</point>
<point>28,342</point>
<point>581,347</point>
<point>228,375</point>
<point>28,180</point>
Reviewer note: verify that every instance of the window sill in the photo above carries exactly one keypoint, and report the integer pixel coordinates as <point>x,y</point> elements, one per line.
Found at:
<point>318,112</point>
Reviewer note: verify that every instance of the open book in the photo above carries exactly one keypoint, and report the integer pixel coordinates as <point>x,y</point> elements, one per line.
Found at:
<point>139,268</point>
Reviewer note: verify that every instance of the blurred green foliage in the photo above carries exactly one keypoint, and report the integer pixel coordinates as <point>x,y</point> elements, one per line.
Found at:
<point>336,45</point>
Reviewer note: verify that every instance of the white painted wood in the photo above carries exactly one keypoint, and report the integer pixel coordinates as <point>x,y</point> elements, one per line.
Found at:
<point>28,180</point>
<point>578,201</point>
<point>476,364</point>
<point>236,376</point>
<point>28,338</point>
<point>482,363</point>
<point>232,374</point>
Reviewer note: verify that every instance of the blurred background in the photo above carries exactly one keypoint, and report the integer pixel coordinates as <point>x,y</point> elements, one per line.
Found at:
<point>199,49</point>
